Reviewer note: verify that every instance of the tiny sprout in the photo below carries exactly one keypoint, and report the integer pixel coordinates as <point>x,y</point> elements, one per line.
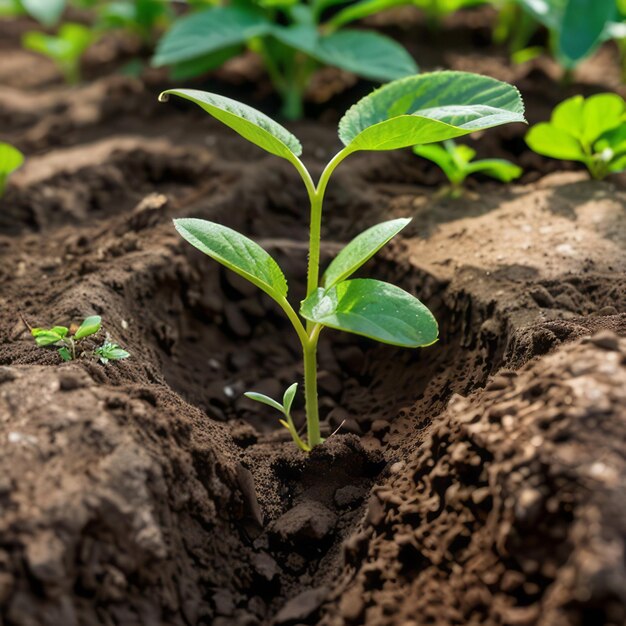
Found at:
<point>10,160</point>
<point>591,130</point>
<point>456,161</point>
<point>65,49</point>
<point>419,109</point>
<point>69,343</point>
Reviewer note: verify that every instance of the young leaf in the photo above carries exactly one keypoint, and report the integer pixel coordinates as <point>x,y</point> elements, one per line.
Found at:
<point>360,250</point>
<point>202,33</point>
<point>549,140</point>
<point>90,326</point>
<point>48,336</point>
<point>263,399</point>
<point>500,169</point>
<point>10,160</point>
<point>428,108</point>
<point>251,124</point>
<point>288,397</point>
<point>109,351</point>
<point>236,252</point>
<point>374,309</point>
<point>65,354</point>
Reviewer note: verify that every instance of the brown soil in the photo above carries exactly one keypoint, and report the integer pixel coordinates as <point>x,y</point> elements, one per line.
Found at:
<point>479,481</point>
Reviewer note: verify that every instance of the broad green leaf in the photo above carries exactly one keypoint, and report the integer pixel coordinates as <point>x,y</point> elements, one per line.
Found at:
<point>205,32</point>
<point>48,336</point>
<point>546,12</point>
<point>10,159</point>
<point>374,309</point>
<point>500,169</point>
<point>553,142</point>
<point>202,65</point>
<point>360,250</point>
<point>568,116</point>
<point>289,396</point>
<point>90,326</point>
<point>251,124</point>
<point>236,252</point>
<point>601,113</point>
<point>109,351</point>
<point>364,53</point>
<point>47,12</point>
<point>263,399</point>
<point>581,28</point>
<point>68,45</point>
<point>429,108</point>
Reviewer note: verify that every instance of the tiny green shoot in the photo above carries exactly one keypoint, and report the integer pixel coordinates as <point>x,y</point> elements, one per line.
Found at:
<point>419,109</point>
<point>10,160</point>
<point>457,163</point>
<point>590,130</point>
<point>69,344</point>
<point>66,48</point>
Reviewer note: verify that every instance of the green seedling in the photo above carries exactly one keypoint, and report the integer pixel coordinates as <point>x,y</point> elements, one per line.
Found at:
<point>69,344</point>
<point>576,27</point>
<point>456,162</point>
<point>141,17</point>
<point>591,130</point>
<point>10,160</point>
<point>65,49</point>
<point>292,38</point>
<point>412,111</point>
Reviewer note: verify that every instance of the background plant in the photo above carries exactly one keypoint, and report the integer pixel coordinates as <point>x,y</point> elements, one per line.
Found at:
<point>292,38</point>
<point>457,163</point>
<point>415,110</point>
<point>10,160</point>
<point>591,130</point>
<point>70,343</point>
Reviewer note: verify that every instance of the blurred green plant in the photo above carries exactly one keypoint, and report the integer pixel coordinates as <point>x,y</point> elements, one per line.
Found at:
<point>292,38</point>
<point>10,160</point>
<point>591,131</point>
<point>457,163</point>
<point>66,48</point>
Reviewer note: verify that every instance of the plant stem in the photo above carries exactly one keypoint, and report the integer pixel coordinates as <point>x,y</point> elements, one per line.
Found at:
<point>310,394</point>
<point>293,108</point>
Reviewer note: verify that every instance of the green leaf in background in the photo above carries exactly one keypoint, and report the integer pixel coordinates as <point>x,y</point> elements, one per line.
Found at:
<point>236,252</point>
<point>546,12</point>
<point>251,124</point>
<point>360,250</point>
<point>500,169</point>
<point>48,336</point>
<point>202,65</point>
<point>582,27</point>
<point>428,108</point>
<point>65,354</point>
<point>47,12</point>
<point>205,32</point>
<point>364,53</point>
<point>90,326</point>
<point>362,9</point>
<point>109,351</point>
<point>374,309</point>
<point>549,140</point>
<point>10,160</point>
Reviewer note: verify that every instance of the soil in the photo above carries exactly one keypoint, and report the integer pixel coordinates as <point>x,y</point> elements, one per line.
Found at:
<point>478,481</point>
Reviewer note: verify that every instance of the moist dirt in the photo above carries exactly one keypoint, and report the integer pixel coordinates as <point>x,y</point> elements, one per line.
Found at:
<point>477,481</point>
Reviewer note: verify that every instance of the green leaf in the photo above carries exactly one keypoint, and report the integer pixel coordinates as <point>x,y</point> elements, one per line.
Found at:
<point>204,64</point>
<point>500,169</point>
<point>236,252</point>
<point>10,159</point>
<point>68,45</point>
<point>548,140</point>
<point>288,397</point>
<point>568,116</point>
<point>546,12</point>
<point>438,154</point>
<point>47,12</point>
<point>362,9</point>
<point>48,336</point>
<point>251,124</point>
<point>263,399</point>
<point>205,32</point>
<point>429,108</point>
<point>90,326</point>
<point>109,351</point>
<point>601,113</point>
<point>581,28</point>
<point>360,250</point>
<point>65,354</point>
<point>373,309</point>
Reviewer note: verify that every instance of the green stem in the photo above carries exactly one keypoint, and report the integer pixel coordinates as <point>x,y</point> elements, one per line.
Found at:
<point>293,107</point>
<point>310,389</point>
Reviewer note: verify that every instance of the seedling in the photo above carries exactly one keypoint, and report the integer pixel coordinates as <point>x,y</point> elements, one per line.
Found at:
<point>591,130</point>
<point>69,344</point>
<point>292,38</point>
<point>65,49</point>
<point>412,111</point>
<point>10,160</point>
<point>456,161</point>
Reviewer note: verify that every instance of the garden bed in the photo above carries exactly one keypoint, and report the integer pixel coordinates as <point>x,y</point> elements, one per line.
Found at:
<point>479,480</point>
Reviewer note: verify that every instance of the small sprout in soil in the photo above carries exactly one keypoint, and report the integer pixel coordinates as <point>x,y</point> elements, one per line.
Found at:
<point>65,49</point>
<point>411,111</point>
<point>590,130</point>
<point>10,160</point>
<point>456,161</point>
<point>69,343</point>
